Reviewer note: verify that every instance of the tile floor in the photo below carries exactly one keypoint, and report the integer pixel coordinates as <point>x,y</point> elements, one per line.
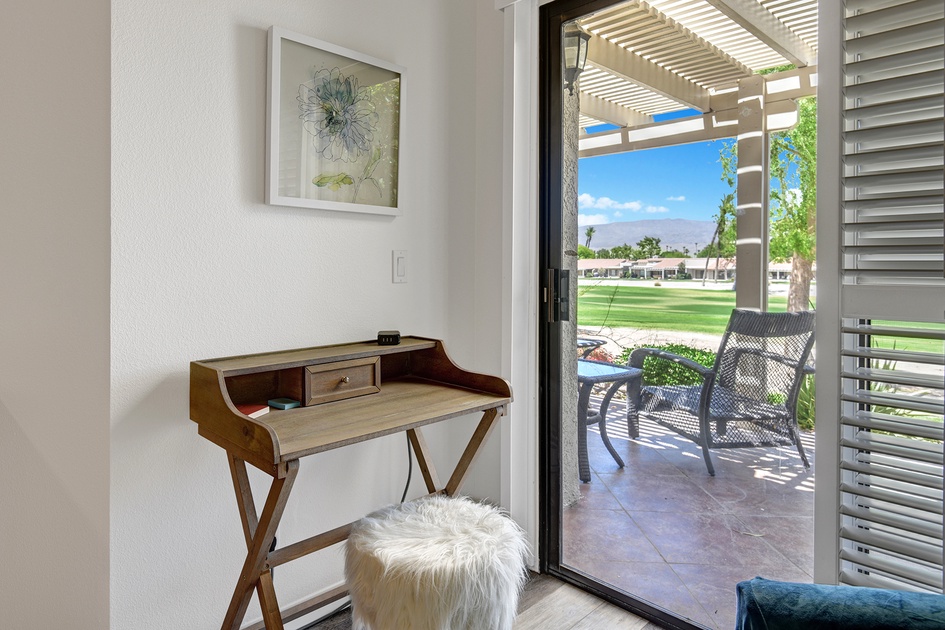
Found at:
<point>665,531</point>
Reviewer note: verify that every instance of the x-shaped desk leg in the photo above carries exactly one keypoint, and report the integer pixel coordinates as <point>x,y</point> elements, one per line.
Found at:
<point>259,533</point>
<point>473,449</point>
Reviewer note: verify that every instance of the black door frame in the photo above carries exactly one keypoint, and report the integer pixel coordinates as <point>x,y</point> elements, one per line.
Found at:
<point>552,17</point>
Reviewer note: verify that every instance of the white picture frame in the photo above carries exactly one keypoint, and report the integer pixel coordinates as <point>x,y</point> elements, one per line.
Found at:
<point>334,124</point>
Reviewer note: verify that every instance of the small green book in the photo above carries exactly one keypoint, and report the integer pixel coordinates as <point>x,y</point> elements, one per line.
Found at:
<point>283,403</point>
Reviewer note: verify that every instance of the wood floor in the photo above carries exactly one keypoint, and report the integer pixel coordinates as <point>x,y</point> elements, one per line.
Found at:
<point>548,604</point>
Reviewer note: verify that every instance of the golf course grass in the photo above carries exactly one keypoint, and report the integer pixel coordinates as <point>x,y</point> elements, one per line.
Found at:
<point>660,308</point>
<point>693,310</point>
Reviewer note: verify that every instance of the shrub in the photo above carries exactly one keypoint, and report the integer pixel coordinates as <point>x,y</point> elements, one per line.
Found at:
<point>656,372</point>
<point>657,284</point>
<point>806,399</point>
<point>599,354</point>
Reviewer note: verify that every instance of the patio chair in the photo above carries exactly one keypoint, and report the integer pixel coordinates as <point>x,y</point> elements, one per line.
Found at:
<point>748,398</point>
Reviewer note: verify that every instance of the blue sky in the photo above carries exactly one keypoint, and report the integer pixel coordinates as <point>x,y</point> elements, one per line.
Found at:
<point>681,182</point>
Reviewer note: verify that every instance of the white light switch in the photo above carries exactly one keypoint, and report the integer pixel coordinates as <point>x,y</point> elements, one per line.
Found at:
<point>399,263</point>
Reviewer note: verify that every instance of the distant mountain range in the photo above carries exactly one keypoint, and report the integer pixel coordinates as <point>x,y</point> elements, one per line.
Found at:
<point>673,233</point>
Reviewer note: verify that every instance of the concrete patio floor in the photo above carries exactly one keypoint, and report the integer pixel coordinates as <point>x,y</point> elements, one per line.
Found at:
<point>664,531</point>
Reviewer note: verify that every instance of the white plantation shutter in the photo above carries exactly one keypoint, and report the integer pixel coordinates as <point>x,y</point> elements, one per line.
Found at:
<point>892,295</point>
<point>891,459</point>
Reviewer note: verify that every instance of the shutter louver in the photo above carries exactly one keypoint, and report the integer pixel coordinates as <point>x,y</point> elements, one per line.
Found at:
<point>893,136</point>
<point>892,250</point>
<point>892,457</point>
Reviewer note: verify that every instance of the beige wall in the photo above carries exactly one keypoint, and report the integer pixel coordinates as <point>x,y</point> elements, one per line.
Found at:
<point>131,523</point>
<point>54,314</point>
<point>202,268</point>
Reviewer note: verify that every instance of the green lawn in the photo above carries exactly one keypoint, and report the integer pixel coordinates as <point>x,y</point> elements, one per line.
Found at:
<point>695,310</point>
<point>659,308</point>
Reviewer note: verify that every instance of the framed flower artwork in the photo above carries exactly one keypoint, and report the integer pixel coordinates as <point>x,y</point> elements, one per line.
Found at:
<point>334,125</point>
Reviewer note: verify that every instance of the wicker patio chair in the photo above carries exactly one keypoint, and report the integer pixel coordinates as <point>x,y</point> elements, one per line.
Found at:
<point>748,398</point>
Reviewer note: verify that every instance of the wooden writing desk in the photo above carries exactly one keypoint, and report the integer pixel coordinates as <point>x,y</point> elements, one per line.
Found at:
<point>350,393</point>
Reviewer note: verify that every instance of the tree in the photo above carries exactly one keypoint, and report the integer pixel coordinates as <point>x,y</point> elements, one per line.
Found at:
<point>589,233</point>
<point>674,253</point>
<point>648,247</point>
<point>604,253</point>
<point>726,210</point>
<point>586,252</point>
<point>623,251</point>
<point>793,198</point>
<point>794,202</point>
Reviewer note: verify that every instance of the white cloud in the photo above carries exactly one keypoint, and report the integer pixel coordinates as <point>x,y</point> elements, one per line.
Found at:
<point>592,219</point>
<point>617,214</point>
<point>606,203</point>
<point>679,198</point>
<point>655,209</point>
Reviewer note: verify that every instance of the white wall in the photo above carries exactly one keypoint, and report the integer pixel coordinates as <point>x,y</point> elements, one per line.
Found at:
<point>54,218</point>
<point>202,268</point>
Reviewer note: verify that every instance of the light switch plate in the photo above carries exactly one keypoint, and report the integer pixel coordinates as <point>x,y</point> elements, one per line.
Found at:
<point>399,265</point>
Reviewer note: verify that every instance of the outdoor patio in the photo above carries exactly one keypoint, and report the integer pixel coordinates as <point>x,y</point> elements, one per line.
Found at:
<point>665,531</point>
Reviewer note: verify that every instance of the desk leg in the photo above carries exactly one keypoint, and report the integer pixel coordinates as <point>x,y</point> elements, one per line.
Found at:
<point>247,508</point>
<point>244,498</point>
<point>422,451</point>
<point>473,448</point>
<point>458,478</point>
<point>259,539</point>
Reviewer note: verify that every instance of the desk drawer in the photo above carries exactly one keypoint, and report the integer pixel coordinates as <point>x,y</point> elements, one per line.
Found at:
<point>343,379</point>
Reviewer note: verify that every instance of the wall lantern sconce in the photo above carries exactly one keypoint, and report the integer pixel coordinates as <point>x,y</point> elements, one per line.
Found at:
<point>575,54</point>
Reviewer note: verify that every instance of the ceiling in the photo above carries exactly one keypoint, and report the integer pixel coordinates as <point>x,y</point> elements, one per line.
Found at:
<point>659,56</point>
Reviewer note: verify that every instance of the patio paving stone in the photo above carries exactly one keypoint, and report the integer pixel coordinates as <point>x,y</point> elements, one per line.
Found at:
<point>606,535</point>
<point>755,517</point>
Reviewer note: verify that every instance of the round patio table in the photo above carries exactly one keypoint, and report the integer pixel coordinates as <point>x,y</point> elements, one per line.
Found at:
<point>591,373</point>
<point>587,345</point>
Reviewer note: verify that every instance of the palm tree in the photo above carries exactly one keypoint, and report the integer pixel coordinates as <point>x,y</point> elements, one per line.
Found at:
<point>726,210</point>
<point>589,233</point>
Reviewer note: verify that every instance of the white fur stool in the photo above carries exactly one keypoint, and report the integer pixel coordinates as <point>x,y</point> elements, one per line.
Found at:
<point>438,563</point>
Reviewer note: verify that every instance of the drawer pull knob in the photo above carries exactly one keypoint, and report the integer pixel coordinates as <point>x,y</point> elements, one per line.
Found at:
<point>345,379</point>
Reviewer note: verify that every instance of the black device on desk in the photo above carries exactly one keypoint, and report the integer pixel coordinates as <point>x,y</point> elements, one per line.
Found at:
<point>388,338</point>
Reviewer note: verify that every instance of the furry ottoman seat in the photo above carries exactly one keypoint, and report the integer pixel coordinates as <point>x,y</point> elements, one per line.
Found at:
<point>438,563</point>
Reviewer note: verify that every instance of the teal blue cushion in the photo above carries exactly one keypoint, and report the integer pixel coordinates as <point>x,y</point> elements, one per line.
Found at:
<point>770,605</point>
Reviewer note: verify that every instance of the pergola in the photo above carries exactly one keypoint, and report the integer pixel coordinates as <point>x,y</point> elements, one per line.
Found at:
<point>659,56</point>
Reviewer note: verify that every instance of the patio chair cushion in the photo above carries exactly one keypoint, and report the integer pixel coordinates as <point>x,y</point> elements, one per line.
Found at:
<point>772,605</point>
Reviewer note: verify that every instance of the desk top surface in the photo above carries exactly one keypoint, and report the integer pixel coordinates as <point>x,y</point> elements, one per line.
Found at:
<point>400,405</point>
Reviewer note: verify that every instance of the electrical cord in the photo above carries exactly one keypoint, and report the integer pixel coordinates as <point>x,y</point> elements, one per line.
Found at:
<point>409,468</point>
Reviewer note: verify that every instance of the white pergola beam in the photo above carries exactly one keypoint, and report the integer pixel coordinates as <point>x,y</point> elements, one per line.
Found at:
<point>757,20</point>
<point>781,91</point>
<point>618,61</point>
<point>606,111</point>
<point>715,126</point>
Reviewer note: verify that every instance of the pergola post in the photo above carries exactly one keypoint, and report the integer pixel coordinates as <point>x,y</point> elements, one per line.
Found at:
<point>751,248</point>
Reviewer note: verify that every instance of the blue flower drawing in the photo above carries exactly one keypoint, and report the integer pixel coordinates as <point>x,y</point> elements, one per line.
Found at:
<point>338,114</point>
